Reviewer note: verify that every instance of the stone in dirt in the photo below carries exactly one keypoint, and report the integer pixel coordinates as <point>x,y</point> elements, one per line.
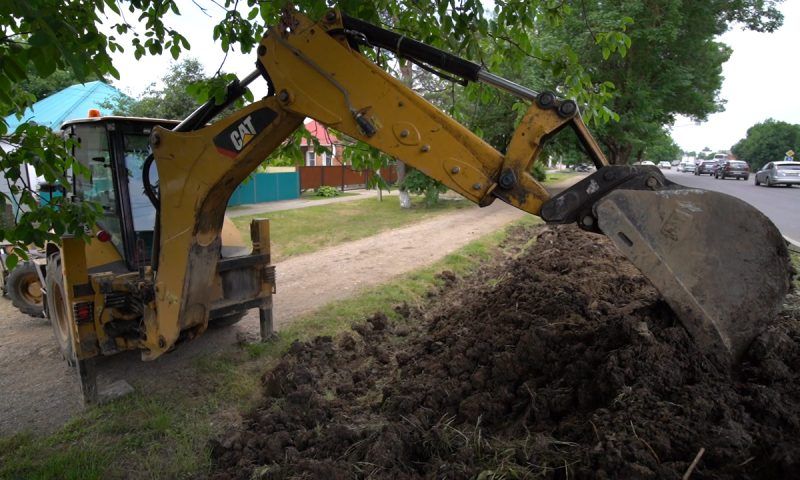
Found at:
<point>557,359</point>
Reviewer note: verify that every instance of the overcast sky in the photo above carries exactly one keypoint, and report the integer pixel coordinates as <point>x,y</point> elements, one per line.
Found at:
<point>762,80</point>
<point>762,77</point>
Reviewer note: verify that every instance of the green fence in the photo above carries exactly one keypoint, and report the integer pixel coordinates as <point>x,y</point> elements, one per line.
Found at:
<point>267,187</point>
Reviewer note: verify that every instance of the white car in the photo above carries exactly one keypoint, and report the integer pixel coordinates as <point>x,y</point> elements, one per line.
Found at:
<point>646,162</point>
<point>666,165</point>
<point>686,167</point>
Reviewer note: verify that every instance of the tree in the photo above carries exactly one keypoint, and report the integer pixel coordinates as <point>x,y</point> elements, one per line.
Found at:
<point>662,149</point>
<point>672,64</point>
<point>41,87</point>
<point>767,141</point>
<point>172,101</point>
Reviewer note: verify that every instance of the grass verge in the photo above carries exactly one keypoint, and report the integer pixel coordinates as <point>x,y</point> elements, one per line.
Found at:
<point>557,177</point>
<point>306,230</point>
<point>162,431</point>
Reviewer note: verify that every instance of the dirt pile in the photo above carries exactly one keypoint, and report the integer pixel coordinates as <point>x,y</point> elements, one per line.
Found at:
<point>557,361</point>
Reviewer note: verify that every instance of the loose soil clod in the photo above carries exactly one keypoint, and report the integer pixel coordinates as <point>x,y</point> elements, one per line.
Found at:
<point>558,360</point>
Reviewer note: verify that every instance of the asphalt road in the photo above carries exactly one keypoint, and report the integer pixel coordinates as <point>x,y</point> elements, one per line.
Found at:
<point>780,204</point>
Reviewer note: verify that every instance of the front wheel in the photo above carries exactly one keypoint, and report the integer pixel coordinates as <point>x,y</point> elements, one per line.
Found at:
<point>57,308</point>
<point>25,289</point>
<point>755,181</point>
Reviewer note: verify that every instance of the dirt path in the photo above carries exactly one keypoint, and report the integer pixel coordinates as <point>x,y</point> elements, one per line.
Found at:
<point>39,393</point>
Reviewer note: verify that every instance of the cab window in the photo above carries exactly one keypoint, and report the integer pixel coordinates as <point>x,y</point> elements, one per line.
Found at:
<point>137,148</point>
<point>93,152</point>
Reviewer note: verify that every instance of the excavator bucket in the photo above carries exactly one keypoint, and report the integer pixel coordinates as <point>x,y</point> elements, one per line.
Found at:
<point>719,263</point>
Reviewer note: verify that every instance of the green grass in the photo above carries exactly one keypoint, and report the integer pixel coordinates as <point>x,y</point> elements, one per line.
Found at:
<point>305,230</point>
<point>557,177</point>
<point>163,430</point>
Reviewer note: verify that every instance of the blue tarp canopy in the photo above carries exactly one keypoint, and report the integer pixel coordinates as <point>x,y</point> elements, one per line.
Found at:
<point>68,104</point>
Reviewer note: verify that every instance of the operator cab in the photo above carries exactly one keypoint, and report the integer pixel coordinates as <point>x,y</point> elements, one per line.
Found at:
<point>113,149</point>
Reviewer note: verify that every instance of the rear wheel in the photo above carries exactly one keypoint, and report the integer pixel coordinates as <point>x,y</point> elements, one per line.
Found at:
<point>25,289</point>
<point>756,181</point>
<point>768,182</point>
<point>57,308</point>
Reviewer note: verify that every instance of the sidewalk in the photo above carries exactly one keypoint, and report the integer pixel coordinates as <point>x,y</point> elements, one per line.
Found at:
<point>256,208</point>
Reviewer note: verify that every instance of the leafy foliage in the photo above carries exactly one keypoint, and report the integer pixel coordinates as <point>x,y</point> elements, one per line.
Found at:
<point>327,191</point>
<point>172,101</point>
<point>662,148</point>
<point>418,183</point>
<point>41,87</point>
<point>671,66</point>
<point>40,39</point>
<point>185,87</point>
<point>365,157</point>
<point>538,171</point>
<point>767,141</point>
<point>35,223</point>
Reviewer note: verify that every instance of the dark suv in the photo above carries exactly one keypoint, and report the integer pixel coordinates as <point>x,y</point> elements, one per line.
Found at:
<point>733,168</point>
<point>706,167</point>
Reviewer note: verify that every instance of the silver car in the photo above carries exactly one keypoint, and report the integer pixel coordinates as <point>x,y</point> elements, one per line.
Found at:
<point>779,173</point>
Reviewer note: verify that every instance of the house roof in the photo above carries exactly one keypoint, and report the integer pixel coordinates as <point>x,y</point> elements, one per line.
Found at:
<point>321,132</point>
<point>67,104</point>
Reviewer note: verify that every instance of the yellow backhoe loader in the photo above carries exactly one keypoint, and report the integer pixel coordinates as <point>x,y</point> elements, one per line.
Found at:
<point>721,265</point>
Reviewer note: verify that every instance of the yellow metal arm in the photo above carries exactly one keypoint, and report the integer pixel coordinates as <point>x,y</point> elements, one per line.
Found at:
<point>315,73</point>
<point>319,75</point>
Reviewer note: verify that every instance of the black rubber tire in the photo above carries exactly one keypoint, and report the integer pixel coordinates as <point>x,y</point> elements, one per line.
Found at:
<point>57,308</point>
<point>226,321</point>
<point>755,181</point>
<point>22,284</point>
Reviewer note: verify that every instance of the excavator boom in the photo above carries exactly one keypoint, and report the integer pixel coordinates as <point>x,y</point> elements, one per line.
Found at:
<point>315,70</point>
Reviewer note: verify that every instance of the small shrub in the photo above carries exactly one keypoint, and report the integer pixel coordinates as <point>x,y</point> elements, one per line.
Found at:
<point>327,191</point>
<point>538,172</point>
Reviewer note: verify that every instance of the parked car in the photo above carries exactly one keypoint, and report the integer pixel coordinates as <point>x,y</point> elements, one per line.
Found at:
<point>666,165</point>
<point>779,173</point>
<point>732,168</point>
<point>706,167</point>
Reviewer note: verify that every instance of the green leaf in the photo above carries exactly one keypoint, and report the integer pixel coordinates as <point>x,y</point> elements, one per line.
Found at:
<point>11,261</point>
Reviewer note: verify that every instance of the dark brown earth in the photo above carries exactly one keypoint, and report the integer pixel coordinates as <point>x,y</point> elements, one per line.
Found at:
<point>558,360</point>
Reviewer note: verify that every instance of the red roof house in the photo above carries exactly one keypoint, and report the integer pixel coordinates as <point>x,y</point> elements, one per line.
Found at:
<point>326,139</point>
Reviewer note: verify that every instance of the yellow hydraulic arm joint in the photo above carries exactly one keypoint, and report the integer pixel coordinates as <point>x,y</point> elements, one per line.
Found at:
<point>314,71</point>
<point>317,73</point>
